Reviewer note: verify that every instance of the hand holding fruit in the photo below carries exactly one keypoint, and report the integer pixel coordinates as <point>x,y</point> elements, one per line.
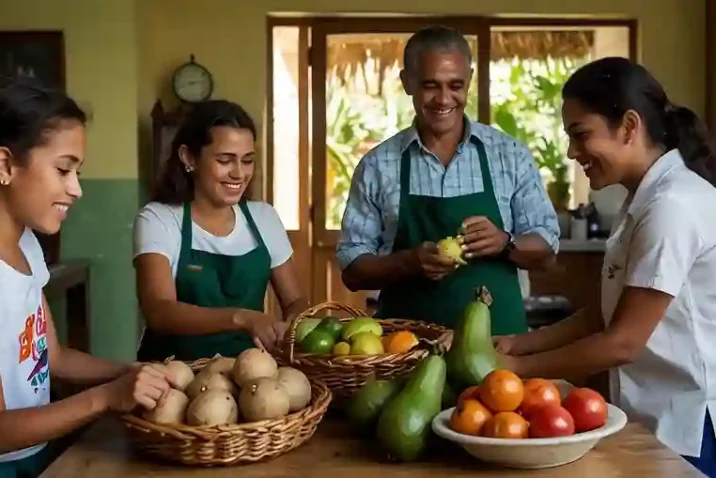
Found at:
<point>482,238</point>
<point>143,385</point>
<point>433,264</point>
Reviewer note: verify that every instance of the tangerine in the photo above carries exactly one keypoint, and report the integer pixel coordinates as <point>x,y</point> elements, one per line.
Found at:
<point>538,393</point>
<point>469,416</point>
<point>400,342</point>
<point>469,393</point>
<point>502,391</point>
<point>506,425</point>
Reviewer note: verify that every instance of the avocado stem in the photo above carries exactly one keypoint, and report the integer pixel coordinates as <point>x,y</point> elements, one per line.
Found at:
<point>483,295</point>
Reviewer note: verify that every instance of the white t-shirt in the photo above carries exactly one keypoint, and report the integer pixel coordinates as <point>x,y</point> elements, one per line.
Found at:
<point>157,229</point>
<point>24,360</point>
<point>665,239</point>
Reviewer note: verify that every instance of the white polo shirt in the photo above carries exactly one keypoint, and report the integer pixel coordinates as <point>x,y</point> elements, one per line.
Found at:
<point>665,239</point>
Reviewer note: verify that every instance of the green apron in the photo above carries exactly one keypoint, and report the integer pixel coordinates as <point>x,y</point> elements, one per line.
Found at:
<point>29,467</point>
<point>424,218</point>
<point>206,279</point>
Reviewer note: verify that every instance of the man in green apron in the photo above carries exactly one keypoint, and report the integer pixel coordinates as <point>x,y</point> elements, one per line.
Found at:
<point>442,177</point>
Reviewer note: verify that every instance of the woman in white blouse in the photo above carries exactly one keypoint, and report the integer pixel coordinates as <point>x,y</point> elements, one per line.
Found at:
<point>659,275</point>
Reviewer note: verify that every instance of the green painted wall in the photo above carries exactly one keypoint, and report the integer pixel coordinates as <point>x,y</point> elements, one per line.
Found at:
<point>99,228</point>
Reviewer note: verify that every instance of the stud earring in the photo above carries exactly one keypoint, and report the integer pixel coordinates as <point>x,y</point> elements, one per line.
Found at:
<point>4,182</point>
<point>188,169</point>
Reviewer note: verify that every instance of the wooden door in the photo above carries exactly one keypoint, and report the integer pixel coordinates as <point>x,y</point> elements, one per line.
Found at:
<point>357,102</point>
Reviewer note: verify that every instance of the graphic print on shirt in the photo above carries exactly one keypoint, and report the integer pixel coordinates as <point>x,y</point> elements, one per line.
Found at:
<point>33,345</point>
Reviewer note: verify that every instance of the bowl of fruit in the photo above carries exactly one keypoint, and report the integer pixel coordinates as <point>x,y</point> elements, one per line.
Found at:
<point>530,424</point>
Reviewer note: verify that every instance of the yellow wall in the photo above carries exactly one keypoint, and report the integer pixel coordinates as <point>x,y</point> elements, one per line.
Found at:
<point>229,38</point>
<point>101,72</point>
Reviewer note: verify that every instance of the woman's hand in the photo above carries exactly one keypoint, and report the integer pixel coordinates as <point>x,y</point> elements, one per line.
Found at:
<point>141,384</point>
<point>505,344</point>
<point>267,332</point>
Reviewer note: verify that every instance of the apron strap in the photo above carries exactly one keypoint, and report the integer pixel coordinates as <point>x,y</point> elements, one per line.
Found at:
<point>405,175</point>
<point>186,236</point>
<point>484,167</point>
<point>252,224</point>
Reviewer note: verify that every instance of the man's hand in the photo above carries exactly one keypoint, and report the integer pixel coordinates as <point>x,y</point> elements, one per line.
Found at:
<point>432,265</point>
<point>482,238</point>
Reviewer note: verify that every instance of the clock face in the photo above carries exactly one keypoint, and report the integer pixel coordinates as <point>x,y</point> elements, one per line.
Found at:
<point>192,83</point>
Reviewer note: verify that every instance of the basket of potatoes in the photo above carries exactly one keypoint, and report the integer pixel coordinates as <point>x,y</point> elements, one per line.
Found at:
<point>225,411</point>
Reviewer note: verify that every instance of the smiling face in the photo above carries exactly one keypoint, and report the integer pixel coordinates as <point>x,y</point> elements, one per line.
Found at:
<point>43,187</point>
<point>224,168</point>
<point>605,153</point>
<point>439,86</point>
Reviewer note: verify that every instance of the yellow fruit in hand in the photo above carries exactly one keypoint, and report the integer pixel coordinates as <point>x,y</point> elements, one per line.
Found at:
<point>342,348</point>
<point>450,247</point>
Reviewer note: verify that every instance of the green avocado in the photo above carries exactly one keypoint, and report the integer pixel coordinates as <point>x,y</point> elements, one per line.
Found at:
<point>364,407</point>
<point>318,341</point>
<point>331,325</point>
<point>405,424</point>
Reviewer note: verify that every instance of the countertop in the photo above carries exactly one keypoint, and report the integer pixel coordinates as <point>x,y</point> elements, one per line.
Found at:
<point>334,451</point>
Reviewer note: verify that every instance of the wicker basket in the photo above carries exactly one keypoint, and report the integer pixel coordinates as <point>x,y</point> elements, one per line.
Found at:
<point>345,374</point>
<point>228,444</point>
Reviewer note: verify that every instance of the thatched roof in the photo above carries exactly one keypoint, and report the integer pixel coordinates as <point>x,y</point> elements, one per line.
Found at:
<point>350,52</point>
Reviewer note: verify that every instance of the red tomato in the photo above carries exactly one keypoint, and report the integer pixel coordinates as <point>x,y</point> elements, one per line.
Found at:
<point>587,407</point>
<point>538,393</point>
<point>551,421</point>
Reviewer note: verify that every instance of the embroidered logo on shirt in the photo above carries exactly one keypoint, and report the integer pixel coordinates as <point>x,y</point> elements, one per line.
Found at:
<point>33,345</point>
<point>612,269</point>
<point>194,267</point>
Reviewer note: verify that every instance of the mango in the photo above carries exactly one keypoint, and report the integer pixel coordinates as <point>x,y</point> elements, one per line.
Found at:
<point>358,325</point>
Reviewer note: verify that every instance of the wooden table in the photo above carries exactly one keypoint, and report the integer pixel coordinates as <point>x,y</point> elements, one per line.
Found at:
<point>334,452</point>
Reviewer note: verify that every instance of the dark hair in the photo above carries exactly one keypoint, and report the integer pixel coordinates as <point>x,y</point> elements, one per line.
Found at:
<point>177,184</point>
<point>28,111</point>
<point>434,38</point>
<point>612,86</point>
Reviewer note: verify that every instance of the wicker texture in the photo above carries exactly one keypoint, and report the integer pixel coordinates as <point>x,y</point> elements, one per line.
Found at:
<point>345,374</point>
<point>228,444</point>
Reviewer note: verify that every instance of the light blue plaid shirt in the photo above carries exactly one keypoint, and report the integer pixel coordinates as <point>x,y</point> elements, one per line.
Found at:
<point>370,220</point>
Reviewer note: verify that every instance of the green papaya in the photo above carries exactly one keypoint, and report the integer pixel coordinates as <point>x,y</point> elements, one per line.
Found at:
<point>364,407</point>
<point>405,423</point>
<point>472,355</point>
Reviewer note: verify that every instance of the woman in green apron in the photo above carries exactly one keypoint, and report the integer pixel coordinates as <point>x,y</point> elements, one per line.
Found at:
<point>204,253</point>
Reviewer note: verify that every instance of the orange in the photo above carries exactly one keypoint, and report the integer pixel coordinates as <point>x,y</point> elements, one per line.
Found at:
<point>469,393</point>
<point>502,391</point>
<point>399,342</point>
<point>538,393</point>
<point>506,425</point>
<point>469,417</point>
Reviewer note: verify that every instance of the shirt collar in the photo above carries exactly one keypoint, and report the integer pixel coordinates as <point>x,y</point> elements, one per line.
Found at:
<point>411,136</point>
<point>650,182</point>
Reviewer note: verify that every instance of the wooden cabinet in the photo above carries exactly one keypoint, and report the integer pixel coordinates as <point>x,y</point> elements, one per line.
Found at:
<point>577,276</point>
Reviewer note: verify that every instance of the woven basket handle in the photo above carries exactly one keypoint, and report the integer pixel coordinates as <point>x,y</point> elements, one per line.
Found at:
<point>290,337</point>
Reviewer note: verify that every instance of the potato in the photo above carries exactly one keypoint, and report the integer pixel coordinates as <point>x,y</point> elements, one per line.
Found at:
<point>206,380</point>
<point>170,409</point>
<point>252,364</point>
<point>211,408</point>
<point>220,365</point>
<point>181,375</point>
<point>263,399</point>
<point>297,386</point>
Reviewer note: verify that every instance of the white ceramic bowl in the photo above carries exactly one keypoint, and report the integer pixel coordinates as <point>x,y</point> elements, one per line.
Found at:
<point>530,453</point>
